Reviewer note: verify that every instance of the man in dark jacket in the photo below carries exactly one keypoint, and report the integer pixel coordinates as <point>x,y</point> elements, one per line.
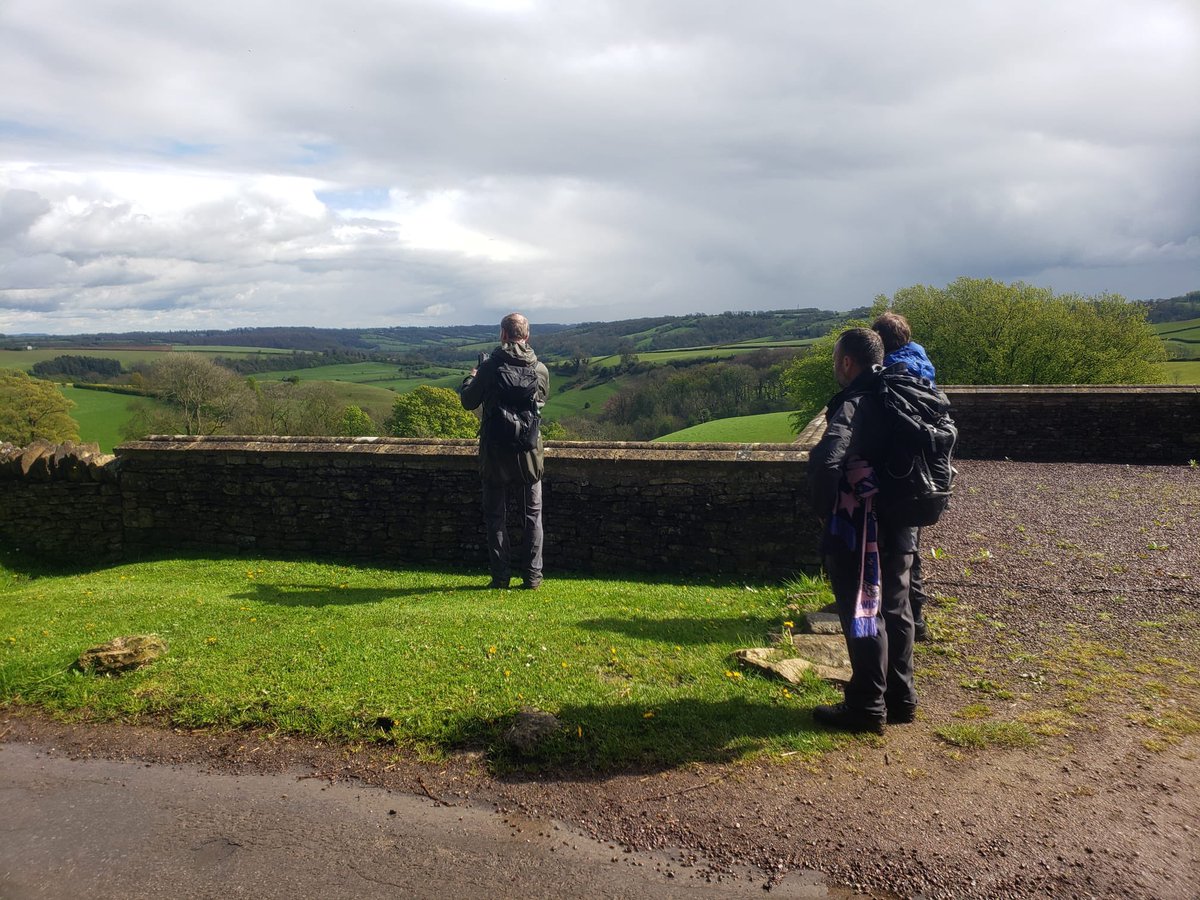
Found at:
<point>880,644</point>
<point>502,468</point>
<point>899,347</point>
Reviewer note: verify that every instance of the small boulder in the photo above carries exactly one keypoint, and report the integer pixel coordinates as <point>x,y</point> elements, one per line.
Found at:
<point>529,728</point>
<point>122,654</point>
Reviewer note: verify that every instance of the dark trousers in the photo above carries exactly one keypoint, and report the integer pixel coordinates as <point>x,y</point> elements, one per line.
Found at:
<point>495,517</point>
<point>882,666</point>
<point>916,590</point>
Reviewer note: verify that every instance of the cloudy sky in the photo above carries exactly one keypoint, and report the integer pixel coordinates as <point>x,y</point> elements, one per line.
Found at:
<point>171,165</point>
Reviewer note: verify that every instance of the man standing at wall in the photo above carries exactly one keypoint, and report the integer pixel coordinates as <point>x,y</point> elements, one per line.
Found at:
<point>899,347</point>
<point>511,386</point>
<point>866,557</point>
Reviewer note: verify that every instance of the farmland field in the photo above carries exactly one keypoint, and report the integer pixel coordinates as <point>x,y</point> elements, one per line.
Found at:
<point>24,359</point>
<point>101,414</point>
<point>376,374</point>
<point>1181,372</point>
<point>766,428</point>
<point>570,402</point>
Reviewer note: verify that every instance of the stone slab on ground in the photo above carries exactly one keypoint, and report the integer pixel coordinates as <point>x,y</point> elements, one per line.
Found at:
<point>792,668</point>
<point>821,623</point>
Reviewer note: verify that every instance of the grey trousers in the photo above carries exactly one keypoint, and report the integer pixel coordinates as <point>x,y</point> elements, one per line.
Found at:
<point>882,666</point>
<point>495,517</point>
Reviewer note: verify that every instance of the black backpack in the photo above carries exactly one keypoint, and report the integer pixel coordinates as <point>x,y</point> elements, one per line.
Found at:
<point>515,423</point>
<point>917,478</point>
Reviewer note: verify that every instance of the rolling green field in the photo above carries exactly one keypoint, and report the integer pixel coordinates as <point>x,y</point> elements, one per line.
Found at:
<point>24,359</point>
<point>1181,372</point>
<point>101,414</point>
<point>374,374</point>
<point>1181,338</point>
<point>771,428</point>
<point>1189,329</point>
<point>719,351</point>
<point>571,402</point>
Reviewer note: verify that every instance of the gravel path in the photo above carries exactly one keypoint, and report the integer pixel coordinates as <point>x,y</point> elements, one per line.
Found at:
<point>1067,610</point>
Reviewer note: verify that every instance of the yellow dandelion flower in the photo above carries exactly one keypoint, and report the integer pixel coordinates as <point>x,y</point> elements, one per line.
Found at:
<point>507,673</point>
<point>492,650</point>
<point>788,625</point>
<point>566,665</point>
<point>648,714</point>
<point>579,730</point>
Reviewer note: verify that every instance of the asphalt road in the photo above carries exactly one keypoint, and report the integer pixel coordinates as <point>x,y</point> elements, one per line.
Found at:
<point>101,829</point>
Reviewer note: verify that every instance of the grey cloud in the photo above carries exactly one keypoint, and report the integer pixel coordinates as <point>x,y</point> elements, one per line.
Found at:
<point>671,156</point>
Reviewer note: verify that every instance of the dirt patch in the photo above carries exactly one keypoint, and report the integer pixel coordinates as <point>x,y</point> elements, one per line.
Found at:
<point>1067,613</point>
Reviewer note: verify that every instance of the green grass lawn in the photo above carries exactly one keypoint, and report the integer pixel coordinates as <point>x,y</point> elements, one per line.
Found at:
<point>375,374</point>
<point>766,428</point>
<point>637,670</point>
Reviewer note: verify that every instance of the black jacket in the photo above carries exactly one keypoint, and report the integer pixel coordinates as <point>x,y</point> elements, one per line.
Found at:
<point>479,392</point>
<point>855,427</point>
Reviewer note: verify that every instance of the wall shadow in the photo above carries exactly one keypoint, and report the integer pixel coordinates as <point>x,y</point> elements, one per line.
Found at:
<point>598,741</point>
<point>686,630</point>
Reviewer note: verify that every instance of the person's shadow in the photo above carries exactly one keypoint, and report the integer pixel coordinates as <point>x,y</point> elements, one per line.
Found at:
<point>335,595</point>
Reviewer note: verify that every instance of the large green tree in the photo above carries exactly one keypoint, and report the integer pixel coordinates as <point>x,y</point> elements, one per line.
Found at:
<point>981,331</point>
<point>32,409</point>
<point>431,412</point>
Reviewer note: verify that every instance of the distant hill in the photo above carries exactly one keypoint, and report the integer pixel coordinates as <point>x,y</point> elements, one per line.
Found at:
<point>451,344</point>
<point>1173,309</point>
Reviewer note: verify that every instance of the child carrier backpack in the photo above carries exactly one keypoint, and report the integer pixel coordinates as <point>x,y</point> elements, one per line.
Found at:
<point>515,423</point>
<point>917,480</point>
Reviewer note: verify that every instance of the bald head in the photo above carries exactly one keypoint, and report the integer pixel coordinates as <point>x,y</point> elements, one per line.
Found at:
<point>514,328</point>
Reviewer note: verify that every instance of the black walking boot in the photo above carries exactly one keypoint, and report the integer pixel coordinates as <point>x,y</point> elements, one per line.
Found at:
<point>845,718</point>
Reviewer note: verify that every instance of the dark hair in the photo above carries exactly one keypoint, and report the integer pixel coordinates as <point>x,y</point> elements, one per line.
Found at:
<point>894,330</point>
<point>862,345</point>
<point>516,326</point>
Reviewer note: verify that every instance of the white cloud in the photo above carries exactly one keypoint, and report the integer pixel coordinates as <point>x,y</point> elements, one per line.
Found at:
<point>363,163</point>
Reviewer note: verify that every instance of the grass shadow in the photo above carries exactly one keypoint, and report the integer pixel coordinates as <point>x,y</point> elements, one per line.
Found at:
<point>333,595</point>
<point>599,740</point>
<point>687,630</point>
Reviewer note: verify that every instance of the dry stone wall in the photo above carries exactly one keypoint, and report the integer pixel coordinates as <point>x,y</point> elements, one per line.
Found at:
<point>60,502</point>
<point>694,509</point>
<point>1146,424</point>
<point>672,508</point>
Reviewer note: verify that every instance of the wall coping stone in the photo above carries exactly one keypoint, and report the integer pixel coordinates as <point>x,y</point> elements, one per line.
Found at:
<point>1070,389</point>
<point>622,451</point>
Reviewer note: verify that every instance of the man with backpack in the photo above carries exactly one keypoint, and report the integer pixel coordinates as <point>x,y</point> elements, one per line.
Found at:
<point>869,508</point>
<point>899,347</point>
<point>511,386</point>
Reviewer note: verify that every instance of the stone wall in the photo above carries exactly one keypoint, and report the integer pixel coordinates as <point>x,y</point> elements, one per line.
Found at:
<point>1149,424</point>
<point>60,502</point>
<point>675,508</point>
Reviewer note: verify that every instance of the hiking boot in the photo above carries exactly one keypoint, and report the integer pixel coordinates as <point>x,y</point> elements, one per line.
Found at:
<point>920,631</point>
<point>500,583</point>
<point>845,718</point>
<point>901,715</point>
